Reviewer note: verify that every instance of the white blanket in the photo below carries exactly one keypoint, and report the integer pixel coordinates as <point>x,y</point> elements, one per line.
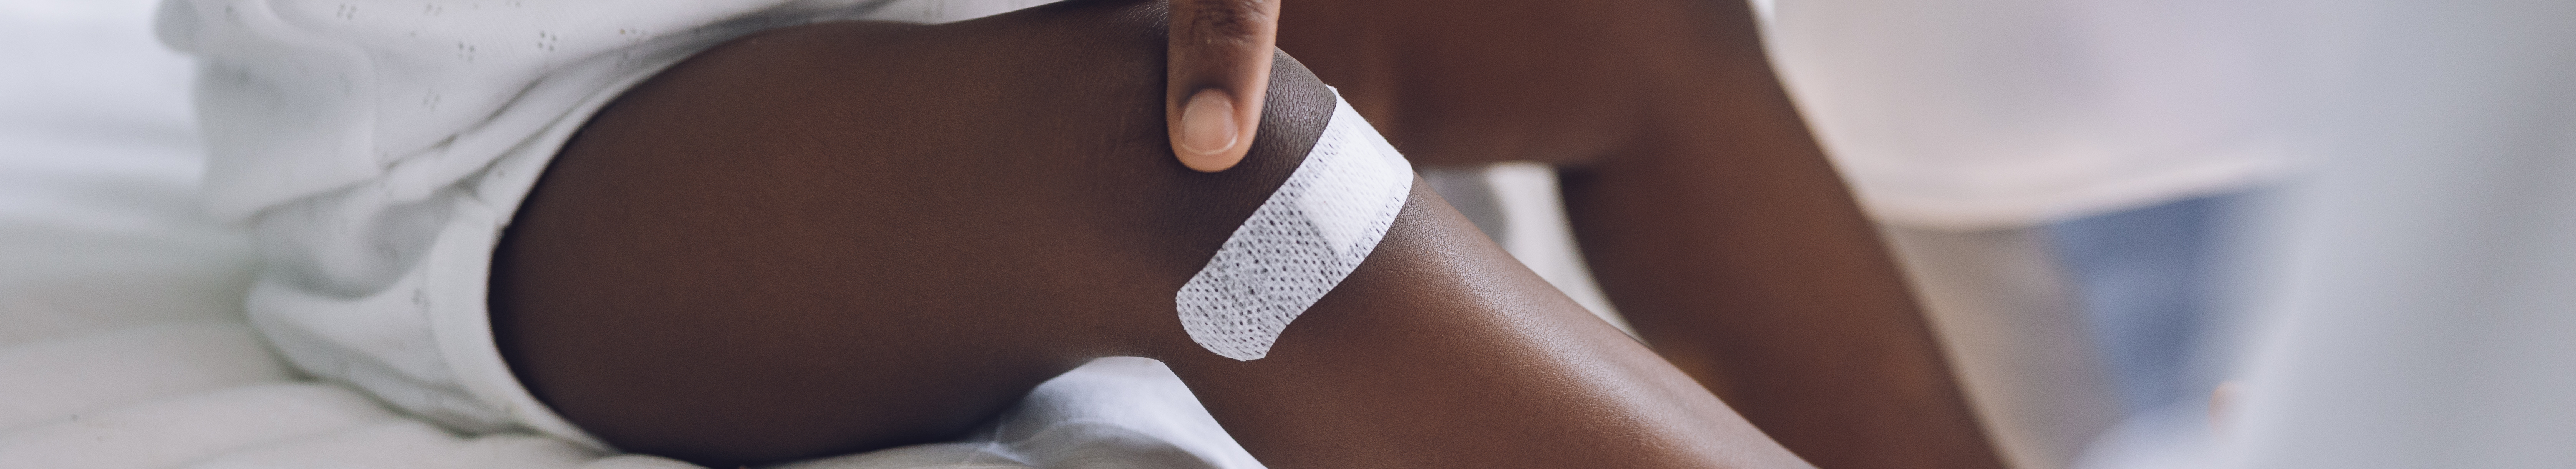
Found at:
<point>122,343</point>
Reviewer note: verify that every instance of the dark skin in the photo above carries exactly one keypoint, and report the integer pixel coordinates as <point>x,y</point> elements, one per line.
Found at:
<point>797,244</point>
<point>1705,209</point>
<point>851,236</point>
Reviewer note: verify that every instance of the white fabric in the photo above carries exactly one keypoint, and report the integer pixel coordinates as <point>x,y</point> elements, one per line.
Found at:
<point>1983,114</point>
<point>1114,412</point>
<point>128,365</point>
<point>2424,302</point>
<point>377,150</point>
<point>1318,226</point>
<point>176,430</point>
<point>2000,307</point>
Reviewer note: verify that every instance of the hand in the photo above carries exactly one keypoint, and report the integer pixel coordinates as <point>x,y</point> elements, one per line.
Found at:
<point>1219,71</point>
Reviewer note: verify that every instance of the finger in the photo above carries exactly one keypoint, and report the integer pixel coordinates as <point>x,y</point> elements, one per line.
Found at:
<point>1220,71</point>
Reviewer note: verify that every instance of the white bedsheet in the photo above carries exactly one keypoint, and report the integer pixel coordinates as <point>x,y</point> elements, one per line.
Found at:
<point>122,343</point>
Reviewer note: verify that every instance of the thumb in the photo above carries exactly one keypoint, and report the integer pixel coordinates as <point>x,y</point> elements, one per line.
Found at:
<point>1220,72</point>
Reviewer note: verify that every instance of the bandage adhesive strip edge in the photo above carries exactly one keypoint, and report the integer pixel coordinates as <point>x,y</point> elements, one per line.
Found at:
<point>1301,242</point>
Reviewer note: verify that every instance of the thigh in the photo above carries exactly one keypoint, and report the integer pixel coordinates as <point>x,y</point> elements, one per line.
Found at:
<point>848,236</point>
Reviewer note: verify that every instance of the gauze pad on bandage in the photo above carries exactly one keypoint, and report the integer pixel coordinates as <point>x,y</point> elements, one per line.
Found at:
<point>1310,234</point>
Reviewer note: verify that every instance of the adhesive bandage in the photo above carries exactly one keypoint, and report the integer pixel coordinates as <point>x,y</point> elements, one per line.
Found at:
<point>1302,241</point>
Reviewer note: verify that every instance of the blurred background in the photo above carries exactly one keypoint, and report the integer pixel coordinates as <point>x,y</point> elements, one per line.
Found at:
<point>2361,213</point>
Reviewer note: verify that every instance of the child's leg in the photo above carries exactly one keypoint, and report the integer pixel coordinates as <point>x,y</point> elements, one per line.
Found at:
<point>850,236</point>
<point>1709,215</point>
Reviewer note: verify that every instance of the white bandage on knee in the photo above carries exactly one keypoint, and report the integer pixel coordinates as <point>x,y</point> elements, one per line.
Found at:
<point>1310,234</point>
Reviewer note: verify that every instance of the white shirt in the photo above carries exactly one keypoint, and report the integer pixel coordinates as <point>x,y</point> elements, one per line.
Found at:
<point>1977,114</point>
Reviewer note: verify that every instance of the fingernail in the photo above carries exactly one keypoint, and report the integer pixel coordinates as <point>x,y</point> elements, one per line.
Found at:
<point>1207,123</point>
